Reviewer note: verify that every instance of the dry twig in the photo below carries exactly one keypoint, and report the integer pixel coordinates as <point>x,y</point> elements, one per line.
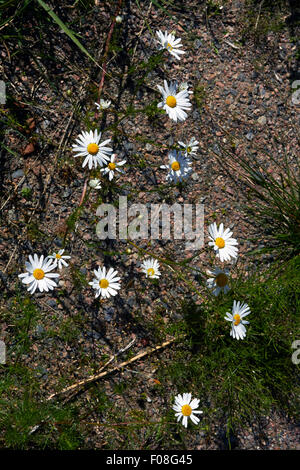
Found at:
<point>101,374</point>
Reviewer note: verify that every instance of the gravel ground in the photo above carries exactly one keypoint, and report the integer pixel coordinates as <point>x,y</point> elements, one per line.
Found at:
<point>245,97</point>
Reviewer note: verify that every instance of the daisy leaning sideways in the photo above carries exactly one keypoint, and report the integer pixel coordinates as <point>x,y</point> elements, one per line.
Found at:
<point>104,104</point>
<point>105,283</point>
<point>38,274</point>
<point>190,148</point>
<point>59,259</point>
<point>168,42</point>
<point>151,268</point>
<point>179,167</point>
<point>88,145</point>
<point>112,167</point>
<point>184,86</point>
<point>223,244</point>
<point>219,281</point>
<point>239,311</point>
<point>174,103</point>
<point>186,408</point>
<point>95,184</point>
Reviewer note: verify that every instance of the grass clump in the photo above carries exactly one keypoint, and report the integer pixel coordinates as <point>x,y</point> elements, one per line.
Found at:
<point>273,200</point>
<point>240,380</point>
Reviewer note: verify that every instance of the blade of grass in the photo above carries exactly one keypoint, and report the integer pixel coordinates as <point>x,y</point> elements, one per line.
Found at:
<point>67,31</point>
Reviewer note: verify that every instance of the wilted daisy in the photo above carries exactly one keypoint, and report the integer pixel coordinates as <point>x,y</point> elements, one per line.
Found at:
<point>88,145</point>
<point>174,103</point>
<point>239,311</point>
<point>105,283</point>
<point>168,42</point>
<point>222,242</point>
<point>185,407</point>
<point>38,274</point>
<point>179,167</point>
<point>190,148</point>
<point>59,259</point>
<point>151,268</point>
<point>112,166</point>
<point>219,281</point>
<point>104,104</point>
<point>95,184</point>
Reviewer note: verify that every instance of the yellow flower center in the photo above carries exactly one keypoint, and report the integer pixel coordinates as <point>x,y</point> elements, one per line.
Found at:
<point>171,101</point>
<point>150,272</point>
<point>237,319</point>
<point>104,283</point>
<point>112,166</point>
<point>189,149</point>
<point>58,256</point>
<point>175,166</point>
<point>93,149</point>
<point>220,242</point>
<point>169,46</point>
<point>38,274</point>
<point>186,410</point>
<point>221,280</point>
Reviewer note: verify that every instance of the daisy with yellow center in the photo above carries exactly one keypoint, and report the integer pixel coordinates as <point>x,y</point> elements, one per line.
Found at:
<point>112,167</point>
<point>174,103</point>
<point>168,42</point>
<point>88,145</point>
<point>105,283</point>
<point>151,268</point>
<point>175,166</point>
<point>92,148</point>
<point>60,259</point>
<point>239,312</point>
<point>223,243</point>
<point>218,281</point>
<point>171,101</point>
<point>38,274</point>
<point>186,408</point>
<point>179,167</point>
<point>189,149</point>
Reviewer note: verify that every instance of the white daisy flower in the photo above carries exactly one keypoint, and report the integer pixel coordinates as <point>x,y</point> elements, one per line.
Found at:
<point>222,242</point>
<point>104,104</point>
<point>219,281</point>
<point>186,407</point>
<point>105,283</point>
<point>151,268</point>
<point>190,148</point>
<point>112,167</point>
<point>38,274</point>
<point>168,42</point>
<point>174,103</point>
<point>88,145</point>
<point>95,184</point>
<point>179,167</point>
<point>239,311</point>
<point>59,259</point>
